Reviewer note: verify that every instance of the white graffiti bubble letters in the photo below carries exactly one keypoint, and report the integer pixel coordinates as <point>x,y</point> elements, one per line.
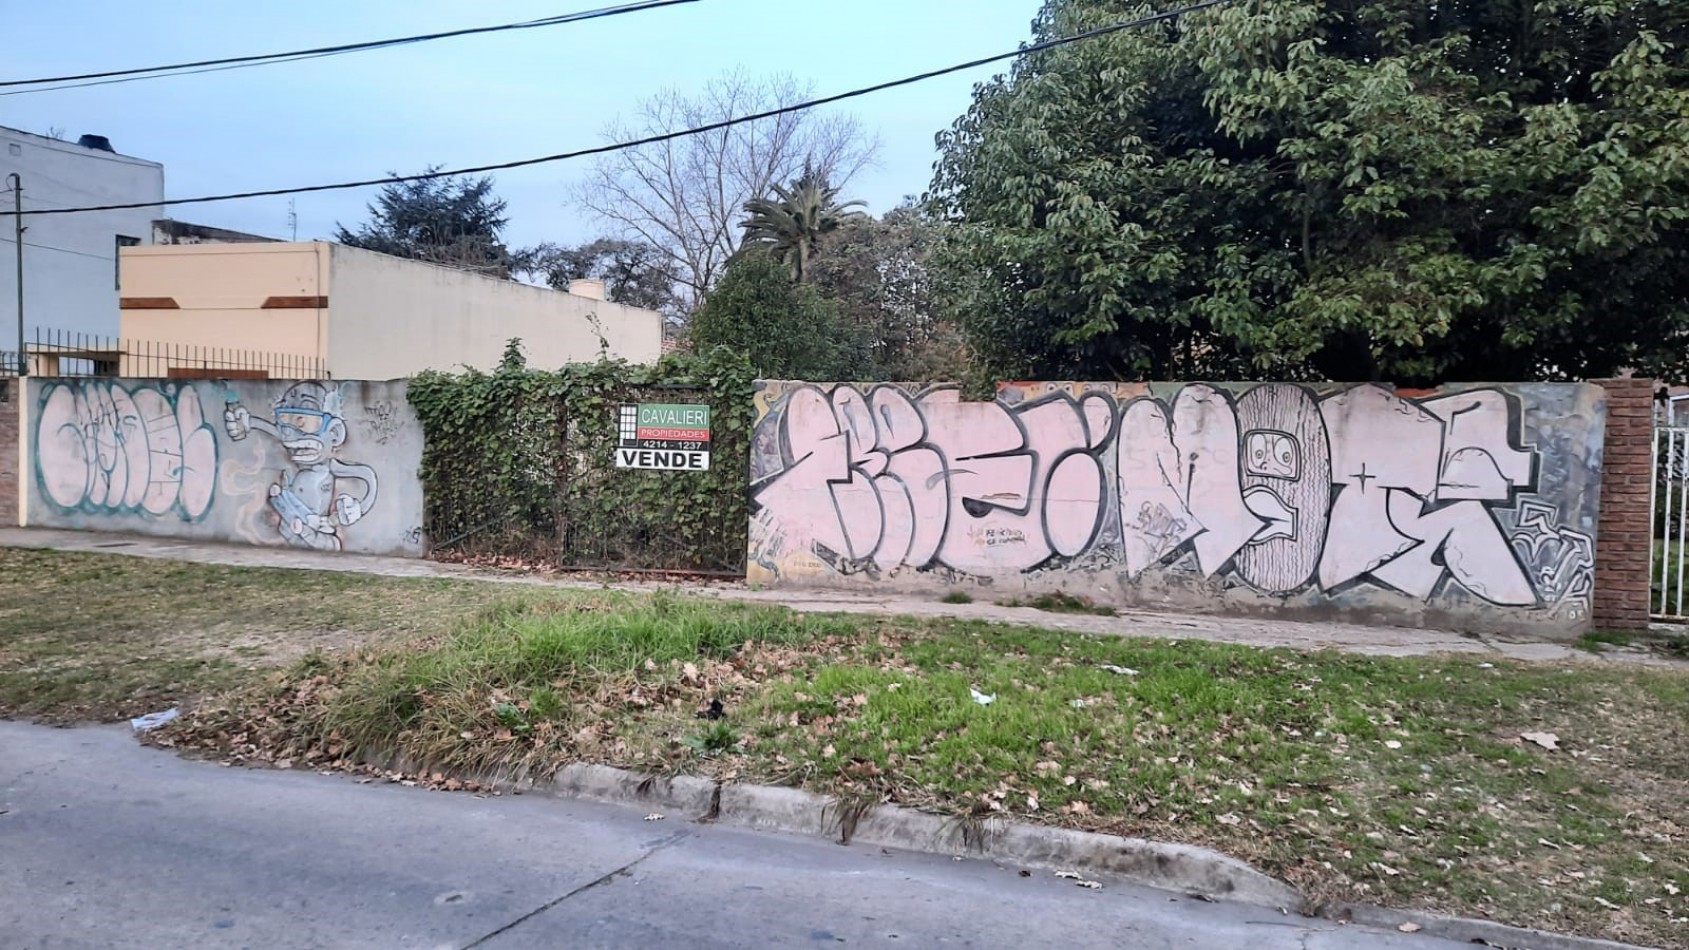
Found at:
<point>104,449</point>
<point>1286,489</point>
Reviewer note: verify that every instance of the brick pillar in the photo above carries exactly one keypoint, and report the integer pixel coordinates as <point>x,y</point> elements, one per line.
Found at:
<point>1624,534</point>
<point>9,396</point>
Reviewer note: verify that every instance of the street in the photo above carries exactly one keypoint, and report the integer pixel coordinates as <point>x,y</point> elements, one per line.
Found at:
<point>106,843</point>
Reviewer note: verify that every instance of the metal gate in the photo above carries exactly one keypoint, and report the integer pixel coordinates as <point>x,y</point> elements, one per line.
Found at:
<point>1668,581</point>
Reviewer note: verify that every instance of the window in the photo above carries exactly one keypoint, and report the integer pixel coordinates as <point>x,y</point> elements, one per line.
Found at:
<point>123,241</point>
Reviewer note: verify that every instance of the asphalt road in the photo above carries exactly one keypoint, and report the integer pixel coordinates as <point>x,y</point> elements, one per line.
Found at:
<point>105,843</point>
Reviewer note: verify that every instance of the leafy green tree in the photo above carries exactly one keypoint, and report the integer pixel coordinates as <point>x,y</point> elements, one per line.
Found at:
<point>457,222</point>
<point>877,271</point>
<point>634,272</point>
<point>793,222</point>
<point>786,329</point>
<point>1343,188</point>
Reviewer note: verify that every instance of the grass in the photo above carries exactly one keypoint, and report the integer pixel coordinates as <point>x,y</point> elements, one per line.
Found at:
<point>957,597</point>
<point>1061,603</point>
<point>1393,780</point>
<point>1595,641</point>
<point>102,637</point>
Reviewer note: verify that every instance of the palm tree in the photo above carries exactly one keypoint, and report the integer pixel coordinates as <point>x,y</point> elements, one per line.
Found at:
<point>791,224</point>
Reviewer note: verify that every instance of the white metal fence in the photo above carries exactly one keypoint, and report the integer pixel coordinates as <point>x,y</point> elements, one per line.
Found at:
<point>1669,512</point>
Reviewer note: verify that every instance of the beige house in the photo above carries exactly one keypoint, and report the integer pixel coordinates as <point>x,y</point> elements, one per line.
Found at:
<point>357,314</point>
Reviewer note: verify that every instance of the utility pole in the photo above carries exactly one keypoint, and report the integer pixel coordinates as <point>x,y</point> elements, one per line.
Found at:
<point>17,217</point>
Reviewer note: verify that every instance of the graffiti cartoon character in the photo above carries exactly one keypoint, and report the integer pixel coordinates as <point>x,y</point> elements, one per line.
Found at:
<point>310,499</point>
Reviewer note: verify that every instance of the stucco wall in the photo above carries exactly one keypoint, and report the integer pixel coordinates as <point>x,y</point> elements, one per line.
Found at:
<point>391,317</point>
<point>70,260</point>
<point>226,296</point>
<point>329,466</point>
<point>1470,506</point>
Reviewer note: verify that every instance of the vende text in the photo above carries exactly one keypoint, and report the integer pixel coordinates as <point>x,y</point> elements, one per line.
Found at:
<point>670,461</point>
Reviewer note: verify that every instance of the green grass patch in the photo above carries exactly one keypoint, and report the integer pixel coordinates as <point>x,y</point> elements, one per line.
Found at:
<point>1597,640</point>
<point>957,597</point>
<point>103,637</point>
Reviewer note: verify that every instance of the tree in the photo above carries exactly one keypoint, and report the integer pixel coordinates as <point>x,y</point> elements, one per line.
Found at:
<point>685,195</point>
<point>457,222</point>
<point>877,272</point>
<point>1378,188</point>
<point>785,329</point>
<point>634,273</point>
<point>793,222</point>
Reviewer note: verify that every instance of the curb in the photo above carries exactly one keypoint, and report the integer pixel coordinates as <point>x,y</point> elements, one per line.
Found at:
<point>1174,867</point>
<point>1181,868</point>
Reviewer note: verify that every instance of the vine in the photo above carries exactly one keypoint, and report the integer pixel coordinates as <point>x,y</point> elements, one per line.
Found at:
<point>521,462</point>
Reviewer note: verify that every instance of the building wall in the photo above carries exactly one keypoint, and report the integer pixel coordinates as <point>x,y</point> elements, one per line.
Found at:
<point>70,261</point>
<point>258,297</point>
<point>1468,506</point>
<point>391,317</point>
<point>216,460</point>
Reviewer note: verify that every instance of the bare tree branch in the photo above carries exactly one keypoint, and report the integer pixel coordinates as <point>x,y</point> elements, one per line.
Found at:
<point>685,196</point>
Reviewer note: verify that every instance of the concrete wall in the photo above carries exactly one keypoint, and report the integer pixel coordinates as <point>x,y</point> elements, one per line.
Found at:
<point>1470,506</point>
<point>329,466</point>
<point>70,260</point>
<point>263,297</point>
<point>393,317</point>
<point>366,315</point>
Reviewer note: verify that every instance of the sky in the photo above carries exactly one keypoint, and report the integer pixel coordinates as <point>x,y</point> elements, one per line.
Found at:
<point>471,100</point>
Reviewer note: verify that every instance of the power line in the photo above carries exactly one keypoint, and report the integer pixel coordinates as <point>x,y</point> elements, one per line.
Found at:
<point>666,136</point>
<point>61,250</point>
<point>264,59</point>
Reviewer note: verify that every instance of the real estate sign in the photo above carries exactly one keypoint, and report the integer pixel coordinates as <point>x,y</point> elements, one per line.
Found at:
<point>663,436</point>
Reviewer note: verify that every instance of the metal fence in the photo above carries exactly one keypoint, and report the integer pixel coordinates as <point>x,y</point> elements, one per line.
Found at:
<point>61,353</point>
<point>1669,505</point>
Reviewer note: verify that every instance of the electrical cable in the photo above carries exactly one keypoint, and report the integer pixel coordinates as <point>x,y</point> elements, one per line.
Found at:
<point>665,136</point>
<point>264,59</point>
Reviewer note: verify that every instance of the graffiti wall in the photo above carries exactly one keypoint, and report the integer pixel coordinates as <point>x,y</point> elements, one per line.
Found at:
<point>328,466</point>
<point>1465,506</point>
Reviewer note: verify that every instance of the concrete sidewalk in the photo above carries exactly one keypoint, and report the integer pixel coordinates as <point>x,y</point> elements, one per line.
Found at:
<point>1354,638</point>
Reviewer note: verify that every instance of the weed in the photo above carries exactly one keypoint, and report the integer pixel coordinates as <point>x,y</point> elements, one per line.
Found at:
<point>957,597</point>
<point>1597,640</point>
<point>1061,602</point>
<point>716,738</point>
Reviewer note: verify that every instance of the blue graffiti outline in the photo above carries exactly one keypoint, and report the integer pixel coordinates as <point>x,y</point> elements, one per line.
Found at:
<point>171,393</point>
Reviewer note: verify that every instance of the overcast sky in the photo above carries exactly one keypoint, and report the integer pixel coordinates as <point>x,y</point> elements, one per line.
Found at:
<point>471,100</point>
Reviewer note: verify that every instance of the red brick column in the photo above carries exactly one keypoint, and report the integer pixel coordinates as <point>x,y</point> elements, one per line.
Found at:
<point>1624,535</point>
<point>9,449</point>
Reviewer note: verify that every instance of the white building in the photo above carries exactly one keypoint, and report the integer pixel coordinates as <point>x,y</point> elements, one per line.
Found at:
<point>70,260</point>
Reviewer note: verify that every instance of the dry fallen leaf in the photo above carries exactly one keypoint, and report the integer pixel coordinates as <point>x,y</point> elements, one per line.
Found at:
<point>1409,928</point>
<point>1392,744</point>
<point>1547,740</point>
<point>654,816</point>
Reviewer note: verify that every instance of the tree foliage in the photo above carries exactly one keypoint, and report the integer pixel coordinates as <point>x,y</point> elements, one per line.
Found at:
<point>634,273</point>
<point>785,329</point>
<point>457,222</point>
<point>1347,188</point>
<point>791,223</point>
<point>876,270</point>
<point>685,195</point>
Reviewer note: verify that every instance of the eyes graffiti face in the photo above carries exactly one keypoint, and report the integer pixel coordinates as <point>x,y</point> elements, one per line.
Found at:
<point>1271,454</point>
<point>304,422</point>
